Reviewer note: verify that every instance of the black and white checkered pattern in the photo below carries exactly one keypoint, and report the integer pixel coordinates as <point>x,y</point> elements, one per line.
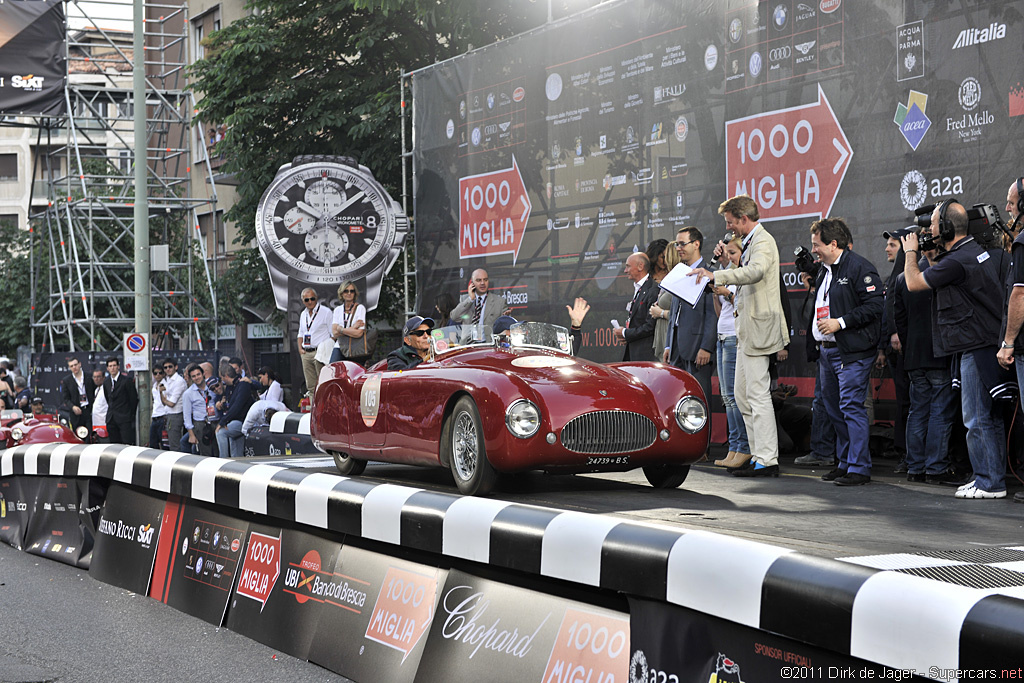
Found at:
<point>290,423</point>
<point>893,618</point>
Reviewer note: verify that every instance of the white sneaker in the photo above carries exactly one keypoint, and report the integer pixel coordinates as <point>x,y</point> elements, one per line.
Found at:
<point>973,491</point>
<point>968,485</point>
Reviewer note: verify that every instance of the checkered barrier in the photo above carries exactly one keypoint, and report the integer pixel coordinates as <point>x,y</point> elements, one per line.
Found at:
<point>894,618</point>
<point>290,423</point>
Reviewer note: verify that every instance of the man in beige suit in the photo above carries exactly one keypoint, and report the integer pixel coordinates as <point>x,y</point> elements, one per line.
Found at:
<point>760,331</point>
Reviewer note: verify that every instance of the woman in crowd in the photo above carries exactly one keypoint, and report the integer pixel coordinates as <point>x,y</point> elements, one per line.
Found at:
<point>444,303</point>
<point>669,259</point>
<point>739,448</point>
<point>349,323</point>
<point>272,390</point>
<point>656,252</point>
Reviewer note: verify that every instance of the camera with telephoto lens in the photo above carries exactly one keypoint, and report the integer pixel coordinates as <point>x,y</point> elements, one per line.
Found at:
<point>925,240</point>
<point>805,262</point>
<point>729,237</point>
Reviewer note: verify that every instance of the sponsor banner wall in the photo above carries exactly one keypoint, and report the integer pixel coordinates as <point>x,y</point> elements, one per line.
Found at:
<point>126,538</point>
<point>63,517</point>
<point>521,635</point>
<point>198,554</point>
<point>33,57</point>
<point>282,587</point>
<point>550,157</point>
<point>384,606</point>
<point>15,509</point>
<point>261,441</point>
<point>672,644</point>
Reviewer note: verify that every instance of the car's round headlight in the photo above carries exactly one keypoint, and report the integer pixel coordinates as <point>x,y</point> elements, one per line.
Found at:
<point>691,414</point>
<point>522,418</point>
<point>17,434</point>
<point>82,432</point>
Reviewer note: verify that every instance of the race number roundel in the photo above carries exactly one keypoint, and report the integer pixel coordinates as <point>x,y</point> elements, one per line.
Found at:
<point>369,399</point>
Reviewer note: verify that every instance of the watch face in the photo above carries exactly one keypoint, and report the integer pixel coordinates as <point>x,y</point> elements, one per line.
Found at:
<point>325,222</point>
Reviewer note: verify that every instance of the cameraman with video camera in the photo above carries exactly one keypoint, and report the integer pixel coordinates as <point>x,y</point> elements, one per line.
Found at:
<point>966,312</point>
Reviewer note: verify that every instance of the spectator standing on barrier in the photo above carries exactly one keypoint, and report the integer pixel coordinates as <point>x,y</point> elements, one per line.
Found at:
<point>415,344</point>
<point>272,390</point>
<point>639,330</point>
<point>739,448</point>
<point>314,329</point>
<point>848,310</point>
<point>760,330</point>
<point>195,403</point>
<point>158,420</point>
<point>349,320</point>
<point>1011,350</point>
<point>692,328</point>
<point>230,439</point>
<point>890,352</point>
<point>175,386</point>
<point>479,307</point>
<point>99,405</point>
<point>76,397</point>
<point>932,399</point>
<point>967,307</point>
<point>122,404</point>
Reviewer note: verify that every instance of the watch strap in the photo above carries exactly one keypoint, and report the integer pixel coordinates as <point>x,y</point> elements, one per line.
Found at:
<point>324,159</point>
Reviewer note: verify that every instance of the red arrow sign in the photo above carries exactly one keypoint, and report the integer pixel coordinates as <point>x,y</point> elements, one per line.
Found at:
<point>493,210</point>
<point>791,161</point>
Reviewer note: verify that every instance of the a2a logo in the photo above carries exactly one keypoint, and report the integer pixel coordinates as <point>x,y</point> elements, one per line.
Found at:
<point>915,189</point>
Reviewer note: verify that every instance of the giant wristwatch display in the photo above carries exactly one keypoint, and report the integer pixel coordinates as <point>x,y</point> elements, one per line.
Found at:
<point>325,220</point>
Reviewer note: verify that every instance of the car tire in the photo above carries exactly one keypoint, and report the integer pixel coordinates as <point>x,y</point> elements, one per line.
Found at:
<point>348,465</point>
<point>666,476</point>
<point>467,456</point>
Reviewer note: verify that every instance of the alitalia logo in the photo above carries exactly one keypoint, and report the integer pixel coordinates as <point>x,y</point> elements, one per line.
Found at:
<point>976,36</point>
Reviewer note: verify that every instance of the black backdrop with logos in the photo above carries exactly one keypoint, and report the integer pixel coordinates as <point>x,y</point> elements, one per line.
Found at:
<point>638,117</point>
<point>33,57</point>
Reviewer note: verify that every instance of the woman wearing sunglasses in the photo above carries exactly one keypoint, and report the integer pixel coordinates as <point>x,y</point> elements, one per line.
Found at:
<point>349,324</point>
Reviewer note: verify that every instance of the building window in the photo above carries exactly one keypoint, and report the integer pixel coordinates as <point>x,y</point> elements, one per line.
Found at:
<point>8,167</point>
<point>8,220</point>
<point>202,26</point>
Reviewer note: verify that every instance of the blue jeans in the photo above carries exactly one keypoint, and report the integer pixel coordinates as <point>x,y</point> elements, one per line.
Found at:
<point>930,421</point>
<point>986,440</point>
<point>823,434</point>
<point>156,432</point>
<point>230,440</point>
<point>844,388</point>
<point>726,382</point>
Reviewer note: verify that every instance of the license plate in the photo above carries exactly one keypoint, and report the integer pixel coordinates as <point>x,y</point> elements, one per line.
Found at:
<point>608,460</point>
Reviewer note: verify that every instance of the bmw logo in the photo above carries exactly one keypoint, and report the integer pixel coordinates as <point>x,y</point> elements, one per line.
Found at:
<point>780,16</point>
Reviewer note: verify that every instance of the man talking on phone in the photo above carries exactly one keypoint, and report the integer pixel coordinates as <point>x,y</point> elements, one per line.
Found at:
<point>479,307</point>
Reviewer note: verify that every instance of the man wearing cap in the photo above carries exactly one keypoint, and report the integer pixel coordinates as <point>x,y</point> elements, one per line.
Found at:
<point>230,440</point>
<point>416,346</point>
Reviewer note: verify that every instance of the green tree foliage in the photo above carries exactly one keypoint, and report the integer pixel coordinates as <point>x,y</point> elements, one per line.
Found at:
<point>296,78</point>
<point>15,276</point>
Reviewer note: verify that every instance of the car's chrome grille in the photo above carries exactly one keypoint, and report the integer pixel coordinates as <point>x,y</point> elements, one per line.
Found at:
<point>609,431</point>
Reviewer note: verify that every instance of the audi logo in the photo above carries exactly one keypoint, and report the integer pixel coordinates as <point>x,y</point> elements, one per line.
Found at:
<point>779,53</point>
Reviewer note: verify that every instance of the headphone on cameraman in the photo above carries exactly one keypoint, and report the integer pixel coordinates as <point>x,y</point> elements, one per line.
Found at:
<point>1020,196</point>
<point>946,230</point>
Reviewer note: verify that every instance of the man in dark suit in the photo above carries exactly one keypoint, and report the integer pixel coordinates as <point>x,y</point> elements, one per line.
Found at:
<point>76,392</point>
<point>639,330</point>
<point>122,404</point>
<point>693,330</point>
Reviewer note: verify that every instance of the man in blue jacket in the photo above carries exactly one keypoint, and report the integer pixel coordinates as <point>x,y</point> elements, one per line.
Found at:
<point>848,315</point>
<point>230,439</point>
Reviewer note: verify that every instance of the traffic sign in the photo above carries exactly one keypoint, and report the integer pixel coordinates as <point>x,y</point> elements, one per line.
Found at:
<point>791,161</point>
<point>493,210</point>
<point>136,352</point>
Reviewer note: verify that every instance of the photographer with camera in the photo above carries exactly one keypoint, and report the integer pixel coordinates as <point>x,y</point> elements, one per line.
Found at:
<point>848,313</point>
<point>966,311</point>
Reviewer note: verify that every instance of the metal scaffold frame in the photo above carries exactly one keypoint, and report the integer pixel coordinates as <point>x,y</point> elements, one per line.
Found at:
<point>83,278</point>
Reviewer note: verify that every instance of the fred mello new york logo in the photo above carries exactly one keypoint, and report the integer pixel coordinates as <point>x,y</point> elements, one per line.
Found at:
<point>911,118</point>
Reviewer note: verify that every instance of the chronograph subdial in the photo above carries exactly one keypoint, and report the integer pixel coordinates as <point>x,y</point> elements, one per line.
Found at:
<point>325,196</point>
<point>299,222</point>
<point>327,245</point>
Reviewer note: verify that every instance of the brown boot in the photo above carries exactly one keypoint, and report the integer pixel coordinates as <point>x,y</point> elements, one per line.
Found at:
<point>729,458</point>
<point>739,460</point>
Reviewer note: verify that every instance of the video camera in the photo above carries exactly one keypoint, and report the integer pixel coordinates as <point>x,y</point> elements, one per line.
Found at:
<point>729,237</point>
<point>805,262</point>
<point>926,242</point>
<point>984,222</point>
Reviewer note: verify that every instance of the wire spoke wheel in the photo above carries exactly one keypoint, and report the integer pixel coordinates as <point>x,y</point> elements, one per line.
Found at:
<point>467,457</point>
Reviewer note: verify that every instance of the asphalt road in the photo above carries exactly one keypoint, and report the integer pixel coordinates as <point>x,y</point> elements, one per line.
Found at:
<point>58,624</point>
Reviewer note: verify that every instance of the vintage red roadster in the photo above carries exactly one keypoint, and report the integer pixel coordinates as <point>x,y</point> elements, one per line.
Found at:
<point>512,404</point>
<point>17,429</point>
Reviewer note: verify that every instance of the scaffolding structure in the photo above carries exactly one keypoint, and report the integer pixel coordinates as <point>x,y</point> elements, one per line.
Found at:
<point>83,278</point>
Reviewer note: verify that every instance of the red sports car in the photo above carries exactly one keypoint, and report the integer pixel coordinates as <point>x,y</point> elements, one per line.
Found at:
<point>511,404</point>
<point>38,428</point>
